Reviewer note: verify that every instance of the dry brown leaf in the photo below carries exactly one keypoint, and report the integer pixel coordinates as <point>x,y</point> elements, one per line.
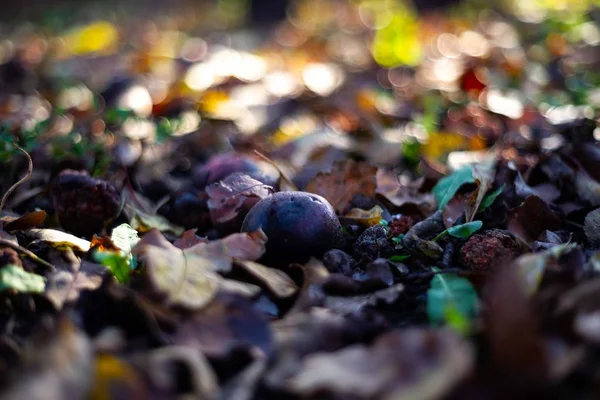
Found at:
<point>27,221</point>
<point>399,196</point>
<point>188,239</point>
<point>275,280</point>
<point>484,178</point>
<point>346,180</point>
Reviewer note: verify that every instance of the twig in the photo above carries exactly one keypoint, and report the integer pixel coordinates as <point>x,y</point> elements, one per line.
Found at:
<point>281,173</point>
<point>28,253</point>
<point>19,182</point>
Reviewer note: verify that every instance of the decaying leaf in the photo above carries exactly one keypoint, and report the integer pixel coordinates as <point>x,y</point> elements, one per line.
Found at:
<point>366,217</point>
<point>58,239</point>
<point>188,239</point>
<point>401,196</point>
<point>438,361</point>
<point>346,180</point>
<point>531,218</point>
<point>115,377</point>
<point>484,178</point>
<point>229,196</point>
<point>27,221</point>
<point>278,282</point>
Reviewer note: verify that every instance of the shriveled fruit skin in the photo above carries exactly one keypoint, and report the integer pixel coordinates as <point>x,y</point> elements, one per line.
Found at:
<point>484,251</point>
<point>299,225</point>
<point>84,204</point>
<point>221,166</point>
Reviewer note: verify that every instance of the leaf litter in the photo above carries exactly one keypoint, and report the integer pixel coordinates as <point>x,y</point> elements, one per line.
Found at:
<point>456,172</point>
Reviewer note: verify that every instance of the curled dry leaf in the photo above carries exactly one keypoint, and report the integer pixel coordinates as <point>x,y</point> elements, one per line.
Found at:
<point>232,198</point>
<point>346,180</point>
<point>401,196</point>
<point>437,358</point>
<point>27,221</point>
<point>366,217</point>
<point>532,218</point>
<point>58,239</point>
<point>484,178</point>
<point>277,281</point>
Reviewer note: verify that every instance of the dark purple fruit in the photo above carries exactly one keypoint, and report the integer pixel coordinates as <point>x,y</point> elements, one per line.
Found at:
<point>188,209</point>
<point>84,205</point>
<point>221,166</point>
<point>299,225</point>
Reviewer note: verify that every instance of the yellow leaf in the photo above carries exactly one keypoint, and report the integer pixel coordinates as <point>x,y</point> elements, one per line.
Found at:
<point>113,376</point>
<point>366,217</point>
<point>440,144</point>
<point>96,37</point>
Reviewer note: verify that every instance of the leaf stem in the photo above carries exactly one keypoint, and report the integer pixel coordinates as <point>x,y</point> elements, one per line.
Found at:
<point>28,253</point>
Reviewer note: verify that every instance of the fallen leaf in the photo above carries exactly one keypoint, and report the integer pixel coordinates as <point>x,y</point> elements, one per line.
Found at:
<point>531,267</point>
<point>438,360</point>
<point>447,187</point>
<point>144,222</point>
<point>118,264</point>
<point>58,239</point>
<point>278,282</point>
<point>229,196</point>
<point>484,178</point>
<point>27,221</point>
<point>401,196</point>
<point>346,180</point>
<point>350,304</point>
<point>125,238</point>
<point>188,239</point>
<point>227,323</point>
<point>114,377</point>
<point>13,277</point>
<point>186,280</point>
<point>70,277</point>
<point>58,365</point>
<point>463,231</point>
<point>449,297</point>
<point>531,218</point>
<point>165,367</point>
<point>189,277</point>
<point>489,199</point>
<point>366,217</point>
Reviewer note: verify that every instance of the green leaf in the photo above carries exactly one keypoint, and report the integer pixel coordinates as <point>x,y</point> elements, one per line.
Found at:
<point>124,237</point>
<point>490,198</point>
<point>451,300</point>
<point>16,278</point>
<point>465,230</point>
<point>400,258</point>
<point>447,187</point>
<point>118,264</point>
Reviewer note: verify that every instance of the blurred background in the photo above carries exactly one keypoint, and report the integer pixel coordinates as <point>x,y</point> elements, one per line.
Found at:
<point>404,70</point>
